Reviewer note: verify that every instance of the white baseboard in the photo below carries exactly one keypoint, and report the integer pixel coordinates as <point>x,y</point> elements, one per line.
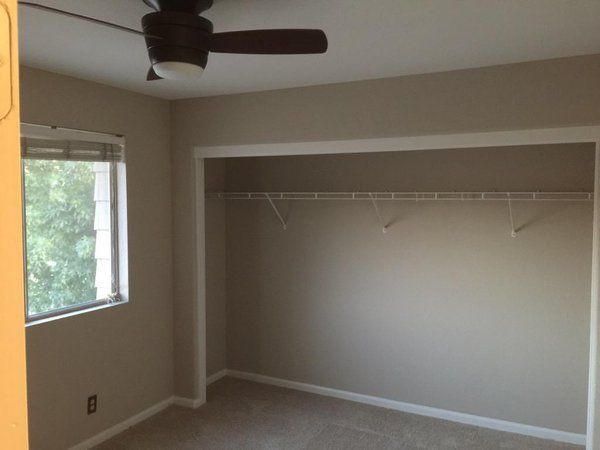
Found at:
<point>133,420</point>
<point>216,376</point>
<point>122,426</point>
<point>469,419</point>
<point>188,402</point>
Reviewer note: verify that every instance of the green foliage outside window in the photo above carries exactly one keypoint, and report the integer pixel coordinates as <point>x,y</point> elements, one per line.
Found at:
<point>59,216</point>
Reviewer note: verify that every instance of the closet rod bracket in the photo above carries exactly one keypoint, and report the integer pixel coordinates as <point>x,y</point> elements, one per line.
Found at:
<point>384,227</point>
<point>513,232</point>
<point>279,216</point>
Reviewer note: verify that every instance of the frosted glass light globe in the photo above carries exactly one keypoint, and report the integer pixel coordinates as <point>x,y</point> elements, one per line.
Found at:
<point>176,70</point>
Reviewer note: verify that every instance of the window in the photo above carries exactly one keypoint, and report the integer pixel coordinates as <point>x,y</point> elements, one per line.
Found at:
<point>71,224</point>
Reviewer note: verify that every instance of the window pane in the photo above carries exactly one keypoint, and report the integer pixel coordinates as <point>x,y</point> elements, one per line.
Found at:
<point>67,218</point>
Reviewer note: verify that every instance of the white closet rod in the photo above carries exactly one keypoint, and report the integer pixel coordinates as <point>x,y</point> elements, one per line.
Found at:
<point>406,196</point>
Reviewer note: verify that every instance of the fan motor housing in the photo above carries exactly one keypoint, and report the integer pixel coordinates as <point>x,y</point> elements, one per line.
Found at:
<point>177,36</point>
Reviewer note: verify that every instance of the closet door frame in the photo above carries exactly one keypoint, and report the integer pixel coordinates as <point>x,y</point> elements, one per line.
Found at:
<point>541,136</point>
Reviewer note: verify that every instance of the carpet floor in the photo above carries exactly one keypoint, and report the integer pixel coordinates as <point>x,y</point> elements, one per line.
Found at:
<point>245,415</point>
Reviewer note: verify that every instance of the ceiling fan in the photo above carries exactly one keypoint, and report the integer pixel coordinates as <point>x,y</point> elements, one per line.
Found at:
<point>179,40</point>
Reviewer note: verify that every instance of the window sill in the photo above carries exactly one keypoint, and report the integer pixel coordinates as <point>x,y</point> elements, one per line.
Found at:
<point>74,313</point>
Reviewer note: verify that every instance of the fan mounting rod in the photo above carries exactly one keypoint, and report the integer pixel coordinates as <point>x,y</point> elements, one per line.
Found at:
<point>188,6</point>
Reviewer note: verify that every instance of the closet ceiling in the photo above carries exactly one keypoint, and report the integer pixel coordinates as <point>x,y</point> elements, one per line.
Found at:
<point>367,39</point>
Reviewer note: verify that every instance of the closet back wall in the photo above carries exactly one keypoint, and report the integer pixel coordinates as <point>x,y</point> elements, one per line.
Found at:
<point>445,310</point>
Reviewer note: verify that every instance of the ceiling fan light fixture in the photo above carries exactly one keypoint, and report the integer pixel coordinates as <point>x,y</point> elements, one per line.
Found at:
<point>177,70</point>
<point>179,40</point>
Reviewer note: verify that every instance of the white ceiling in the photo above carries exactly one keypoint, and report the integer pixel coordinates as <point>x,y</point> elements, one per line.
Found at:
<point>367,39</point>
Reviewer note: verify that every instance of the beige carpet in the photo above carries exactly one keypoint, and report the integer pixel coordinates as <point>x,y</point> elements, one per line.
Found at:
<point>245,415</point>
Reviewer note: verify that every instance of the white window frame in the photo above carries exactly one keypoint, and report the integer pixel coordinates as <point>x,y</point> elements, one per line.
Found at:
<point>117,219</point>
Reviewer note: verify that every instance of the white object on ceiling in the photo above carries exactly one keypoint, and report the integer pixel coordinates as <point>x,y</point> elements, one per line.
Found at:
<point>367,39</point>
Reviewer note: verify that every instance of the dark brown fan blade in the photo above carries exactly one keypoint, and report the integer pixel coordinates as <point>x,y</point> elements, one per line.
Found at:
<point>152,75</point>
<point>89,19</point>
<point>269,42</point>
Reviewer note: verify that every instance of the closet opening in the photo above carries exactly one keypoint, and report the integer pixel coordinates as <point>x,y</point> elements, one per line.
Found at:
<point>451,282</point>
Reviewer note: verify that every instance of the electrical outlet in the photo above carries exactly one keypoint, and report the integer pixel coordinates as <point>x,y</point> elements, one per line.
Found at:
<point>92,404</point>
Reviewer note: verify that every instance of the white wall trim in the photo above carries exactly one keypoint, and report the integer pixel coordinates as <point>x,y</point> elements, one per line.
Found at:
<point>139,417</point>
<point>199,324</point>
<point>453,416</point>
<point>216,376</point>
<point>122,426</point>
<point>592,431</point>
<point>394,144</point>
<point>469,419</point>
<point>188,402</point>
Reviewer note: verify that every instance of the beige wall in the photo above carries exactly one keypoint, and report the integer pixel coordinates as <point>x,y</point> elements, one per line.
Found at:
<point>216,286</point>
<point>551,93</point>
<point>123,353</point>
<point>539,94</point>
<point>446,309</point>
<point>520,168</point>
